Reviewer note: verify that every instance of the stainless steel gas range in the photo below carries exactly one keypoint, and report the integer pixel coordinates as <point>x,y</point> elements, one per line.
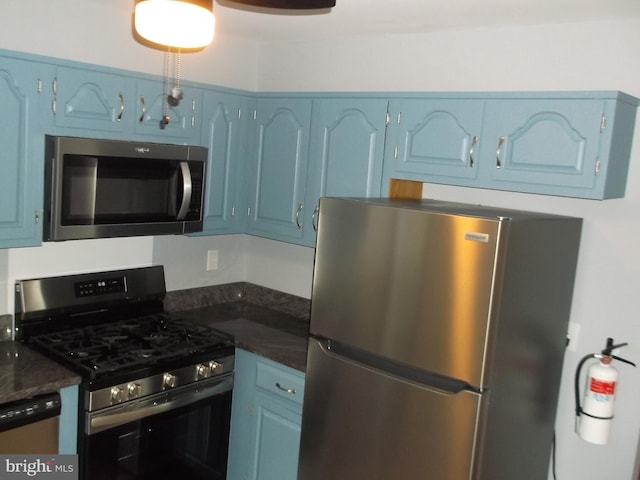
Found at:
<point>155,399</point>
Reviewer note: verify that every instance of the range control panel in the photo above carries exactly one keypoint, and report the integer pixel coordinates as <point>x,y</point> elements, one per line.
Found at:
<point>104,286</point>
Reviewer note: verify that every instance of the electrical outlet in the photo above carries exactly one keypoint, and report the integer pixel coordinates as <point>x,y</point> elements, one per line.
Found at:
<point>212,260</point>
<point>573,333</point>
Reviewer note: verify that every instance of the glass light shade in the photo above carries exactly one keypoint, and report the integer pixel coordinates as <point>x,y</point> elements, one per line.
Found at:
<point>175,23</point>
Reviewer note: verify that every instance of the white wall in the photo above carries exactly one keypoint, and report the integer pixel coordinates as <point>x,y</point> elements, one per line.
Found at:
<point>185,260</point>
<point>587,56</point>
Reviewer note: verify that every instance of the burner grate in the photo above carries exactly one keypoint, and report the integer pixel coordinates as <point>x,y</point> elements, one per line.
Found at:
<point>129,344</point>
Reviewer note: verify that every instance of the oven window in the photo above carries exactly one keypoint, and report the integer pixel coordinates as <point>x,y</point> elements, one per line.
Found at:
<point>190,442</point>
<point>108,190</point>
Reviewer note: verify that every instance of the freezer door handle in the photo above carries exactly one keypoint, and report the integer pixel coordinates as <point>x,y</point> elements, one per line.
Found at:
<point>432,380</point>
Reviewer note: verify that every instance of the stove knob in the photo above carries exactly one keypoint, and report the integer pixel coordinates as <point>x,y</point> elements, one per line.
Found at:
<point>117,394</point>
<point>216,367</point>
<point>169,380</point>
<point>134,390</point>
<point>202,371</point>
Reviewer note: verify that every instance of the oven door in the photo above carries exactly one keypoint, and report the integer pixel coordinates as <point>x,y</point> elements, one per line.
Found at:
<point>181,433</point>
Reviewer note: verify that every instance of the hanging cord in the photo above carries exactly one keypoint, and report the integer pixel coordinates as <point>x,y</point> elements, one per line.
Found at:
<point>164,121</point>
<point>176,92</point>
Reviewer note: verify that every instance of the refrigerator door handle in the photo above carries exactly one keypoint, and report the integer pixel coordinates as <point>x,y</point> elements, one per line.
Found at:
<point>429,379</point>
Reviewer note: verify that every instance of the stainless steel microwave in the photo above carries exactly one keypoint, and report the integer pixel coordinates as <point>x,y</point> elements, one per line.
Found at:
<point>111,188</point>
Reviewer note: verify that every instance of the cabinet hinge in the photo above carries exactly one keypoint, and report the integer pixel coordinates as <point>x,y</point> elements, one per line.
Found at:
<point>399,117</point>
<point>54,86</point>
<point>36,217</point>
<point>597,169</point>
<point>603,122</point>
<point>39,87</point>
<point>387,120</point>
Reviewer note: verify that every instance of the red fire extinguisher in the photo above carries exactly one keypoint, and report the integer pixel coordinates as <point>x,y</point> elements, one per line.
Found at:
<point>594,416</point>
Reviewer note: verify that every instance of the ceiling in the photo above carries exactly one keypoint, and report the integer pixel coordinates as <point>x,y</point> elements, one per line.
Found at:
<point>351,18</point>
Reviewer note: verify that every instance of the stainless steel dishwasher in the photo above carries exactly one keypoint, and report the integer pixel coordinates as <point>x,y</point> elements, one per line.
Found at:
<point>30,426</point>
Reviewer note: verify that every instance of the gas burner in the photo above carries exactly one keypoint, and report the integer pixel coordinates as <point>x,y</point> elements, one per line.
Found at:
<point>130,344</point>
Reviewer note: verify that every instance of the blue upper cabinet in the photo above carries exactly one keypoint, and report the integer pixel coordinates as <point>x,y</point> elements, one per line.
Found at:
<point>224,202</point>
<point>560,146</point>
<point>157,120</point>
<point>277,159</point>
<point>22,122</point>
<point>93,100</point>
<point>566,144</point>
<point>346,152</point>
<point>96,102</point>
<point>436,138</point>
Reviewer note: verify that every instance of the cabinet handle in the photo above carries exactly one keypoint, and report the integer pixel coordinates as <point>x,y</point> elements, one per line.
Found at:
<point>474,142</point>
<point>298,217</point>
<point>144,109</point>
<point>292,391</point>
<point>499,152</point>
<point>314,218</point>
<point>121,106</point>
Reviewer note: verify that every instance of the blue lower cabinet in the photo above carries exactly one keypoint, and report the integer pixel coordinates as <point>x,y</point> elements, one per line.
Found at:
<point>265,420</point>
<point>68,434</point>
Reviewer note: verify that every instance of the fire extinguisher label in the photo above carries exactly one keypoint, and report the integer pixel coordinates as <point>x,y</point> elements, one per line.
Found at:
<point>604,388</point>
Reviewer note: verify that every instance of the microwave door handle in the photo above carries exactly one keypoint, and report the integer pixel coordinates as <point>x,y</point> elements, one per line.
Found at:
<point>187,188</point>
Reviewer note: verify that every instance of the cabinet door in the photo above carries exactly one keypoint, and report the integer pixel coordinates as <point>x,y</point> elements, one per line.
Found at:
<point>93,100</point>
<point>278,162</point>
<point>435,140</point>
<point>345,153</point>
<point>221,135</point>
<point>23,117</point>
<point>266,419</point>
<point>277,440</point>
<point>158,121</point>
<point>544,146</point>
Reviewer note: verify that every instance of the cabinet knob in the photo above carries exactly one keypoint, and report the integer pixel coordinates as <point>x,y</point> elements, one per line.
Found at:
<point>474,142</point>
<point>499,152</point>
<point>314,218</point>
<point>292,391</point>
<point>298,211</point>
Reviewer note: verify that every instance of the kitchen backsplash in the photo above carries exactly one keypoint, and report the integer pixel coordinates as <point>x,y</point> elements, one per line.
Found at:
<point>201,297</point>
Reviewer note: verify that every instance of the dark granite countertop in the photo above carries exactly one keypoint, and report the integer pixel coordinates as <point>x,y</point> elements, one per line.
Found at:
<point>25,373</point>
<point>274,335</point>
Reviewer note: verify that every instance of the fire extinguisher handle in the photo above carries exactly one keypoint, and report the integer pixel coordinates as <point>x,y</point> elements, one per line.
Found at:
<point>629,362</point>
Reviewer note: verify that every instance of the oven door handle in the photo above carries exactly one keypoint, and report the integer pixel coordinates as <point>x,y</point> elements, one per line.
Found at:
<point>153,405</point>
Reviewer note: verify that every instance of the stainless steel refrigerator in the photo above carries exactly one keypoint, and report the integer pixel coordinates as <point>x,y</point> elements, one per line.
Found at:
<point>436,341</point>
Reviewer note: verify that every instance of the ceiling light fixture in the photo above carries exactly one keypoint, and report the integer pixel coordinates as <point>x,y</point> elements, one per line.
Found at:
<point>184,24</point>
